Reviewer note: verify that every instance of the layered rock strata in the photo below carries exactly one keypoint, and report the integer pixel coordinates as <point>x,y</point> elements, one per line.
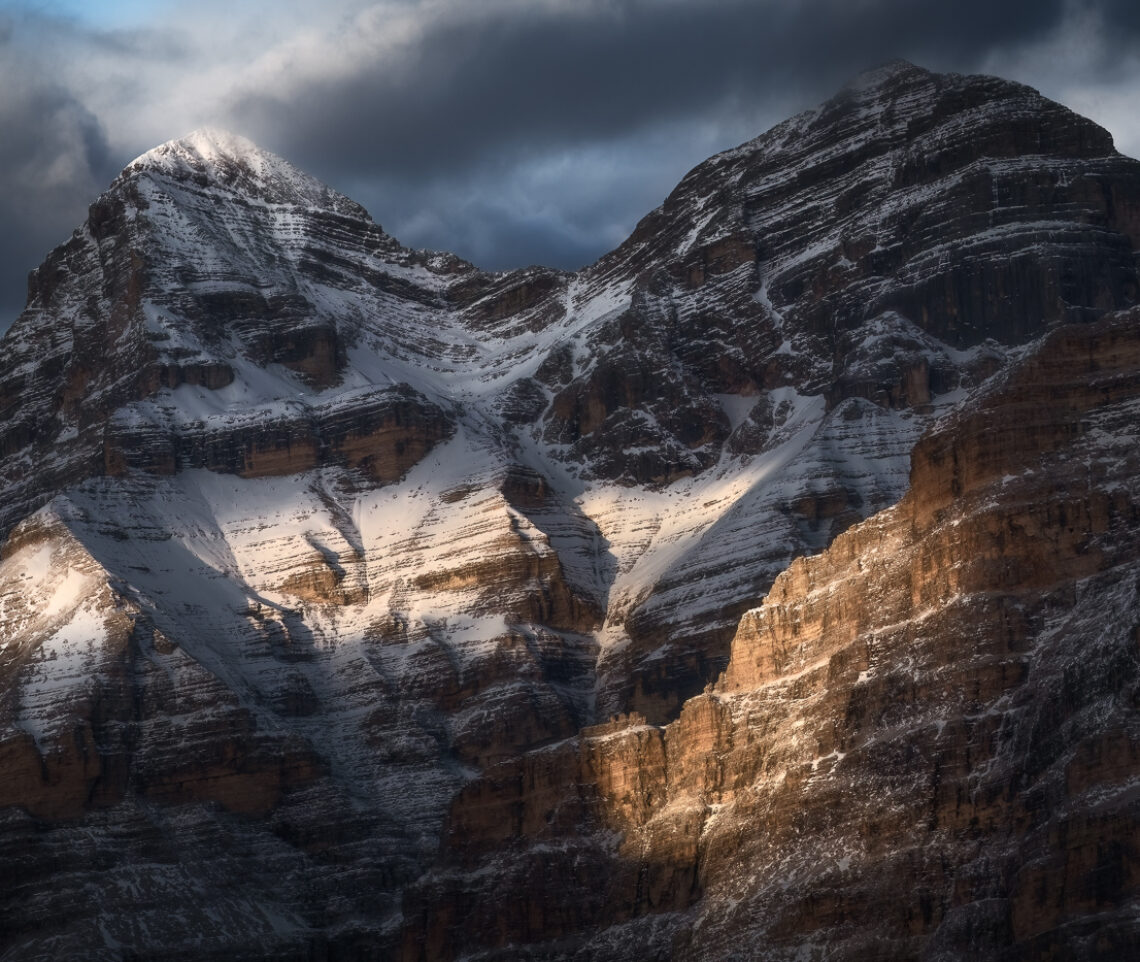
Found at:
<point>924,744</point>
<point>326,562</point>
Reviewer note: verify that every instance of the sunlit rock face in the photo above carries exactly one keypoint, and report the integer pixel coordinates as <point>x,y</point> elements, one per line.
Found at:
<point>924,745</point>
<point>357,603</point>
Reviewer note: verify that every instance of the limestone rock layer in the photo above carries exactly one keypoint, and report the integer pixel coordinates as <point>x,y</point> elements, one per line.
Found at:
<point>767,589</point>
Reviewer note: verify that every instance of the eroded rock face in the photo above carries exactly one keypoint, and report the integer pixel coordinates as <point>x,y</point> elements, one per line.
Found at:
<point>854,252</point>
<point>210,270</point>
<point>327,561</point>
<point>925,740</point>
<point>381,433</point>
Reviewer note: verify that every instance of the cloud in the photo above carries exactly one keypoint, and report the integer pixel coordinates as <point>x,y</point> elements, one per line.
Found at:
<point>1091,64</point>
<point>439,86</point>
<point>561,208</point>
<point>454,107</point>
<point>511,131</point>
<point>54,160</point>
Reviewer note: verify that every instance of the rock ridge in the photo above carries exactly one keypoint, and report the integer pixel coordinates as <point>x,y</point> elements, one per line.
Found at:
<point>866,775</point>
<point>326,561</point>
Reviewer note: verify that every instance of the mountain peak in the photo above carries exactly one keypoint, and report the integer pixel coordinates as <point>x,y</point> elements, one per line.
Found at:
<point>891,71</point>
<point>217,157</point>
<point>439,589</point>
<point>207,147</point>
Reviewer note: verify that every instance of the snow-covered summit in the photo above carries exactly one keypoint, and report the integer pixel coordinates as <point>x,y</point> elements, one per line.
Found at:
<point>208,145</point>
<point>230,160</point>
<point>306,530</point>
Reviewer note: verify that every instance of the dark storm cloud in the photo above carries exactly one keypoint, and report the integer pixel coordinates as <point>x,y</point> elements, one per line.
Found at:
<point>1122,15</point>
<point>481,95</point>
<point>54,160</point>
<point>543,77</point>
<point>511,132</point>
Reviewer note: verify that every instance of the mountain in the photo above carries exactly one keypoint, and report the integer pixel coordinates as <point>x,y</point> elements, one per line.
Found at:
<point>767,589</point>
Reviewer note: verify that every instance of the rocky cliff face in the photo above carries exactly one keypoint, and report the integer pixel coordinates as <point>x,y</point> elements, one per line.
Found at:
<point>924,745</point>
<point>356,603</point>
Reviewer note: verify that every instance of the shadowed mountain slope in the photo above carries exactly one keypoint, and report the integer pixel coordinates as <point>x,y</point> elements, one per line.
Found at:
<point>328,563</point>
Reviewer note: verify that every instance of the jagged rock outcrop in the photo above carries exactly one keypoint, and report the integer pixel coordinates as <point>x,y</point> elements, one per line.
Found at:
<point>382,433</point>
<point>328,561</point>
<point>924,745</point>
<point>853,251</point>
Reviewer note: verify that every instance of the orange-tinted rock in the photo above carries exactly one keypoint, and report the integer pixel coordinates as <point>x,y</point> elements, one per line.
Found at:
<point>57,784</point>
<point>922,742</point>
<point>383,435</point>
<point>249,711</point>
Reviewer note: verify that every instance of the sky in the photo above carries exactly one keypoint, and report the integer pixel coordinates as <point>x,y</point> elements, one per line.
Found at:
<point>511,132</point>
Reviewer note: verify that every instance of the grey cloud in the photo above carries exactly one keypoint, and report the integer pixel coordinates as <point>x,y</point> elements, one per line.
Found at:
<point>442,139</point>
<point>479,98</point>
<point>55,157</point>
<point>498,238</point>
<point>1123,17</point>
<point>499,232</point>
<point>546,77</point>
<point>561,208</point>
<point>54,160</point>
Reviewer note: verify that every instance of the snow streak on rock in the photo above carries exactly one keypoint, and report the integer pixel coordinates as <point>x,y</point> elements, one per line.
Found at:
<point>309,535</point>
